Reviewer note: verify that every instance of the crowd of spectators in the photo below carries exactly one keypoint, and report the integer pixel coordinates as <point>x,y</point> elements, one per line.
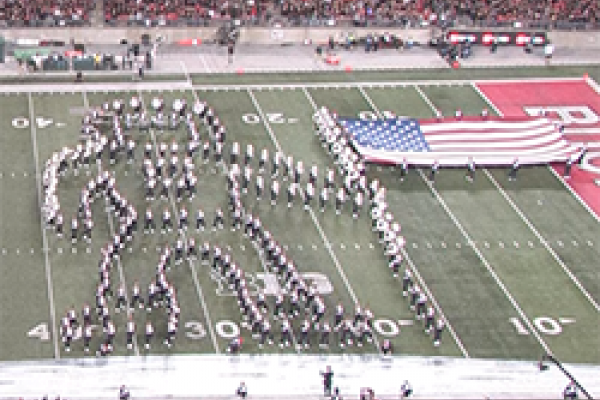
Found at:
<point>354,12</point>
<point>172,12</point>
<point>45,12</point>
<point>534,13</point>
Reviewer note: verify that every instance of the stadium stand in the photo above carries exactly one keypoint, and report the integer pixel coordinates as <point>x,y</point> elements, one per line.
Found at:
<point>547,13</point>
<point>45,13</point>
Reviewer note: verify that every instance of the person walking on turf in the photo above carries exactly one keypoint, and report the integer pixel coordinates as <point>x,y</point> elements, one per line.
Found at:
<point>327,381</point>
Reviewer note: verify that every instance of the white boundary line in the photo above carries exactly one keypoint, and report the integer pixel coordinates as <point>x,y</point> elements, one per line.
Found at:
<point>168,85</point>
<point>479,254</point>
<point>326,241</point>
<point>111,227</point>
<point>190,263</point>
<point>413,266</point>
<point>48,266</point>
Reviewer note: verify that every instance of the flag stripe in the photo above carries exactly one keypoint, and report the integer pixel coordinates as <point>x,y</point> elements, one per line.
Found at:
<point>452,141</point>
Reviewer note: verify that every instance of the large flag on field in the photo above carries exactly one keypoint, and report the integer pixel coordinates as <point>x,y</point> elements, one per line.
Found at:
<point>452,141</point>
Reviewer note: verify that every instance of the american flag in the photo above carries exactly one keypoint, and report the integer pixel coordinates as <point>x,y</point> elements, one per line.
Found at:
<point>452,141</point>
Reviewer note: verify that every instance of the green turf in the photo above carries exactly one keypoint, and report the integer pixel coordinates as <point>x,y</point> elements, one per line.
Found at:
<point>340,248</point>
<point>396,75</point>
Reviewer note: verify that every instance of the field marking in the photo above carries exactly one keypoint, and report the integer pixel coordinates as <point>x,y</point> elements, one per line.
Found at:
<point>263,262</point>
<point>552,170</point>
<point>111,228</point>
<point>543,241</point>
<point>190,263</point>
<point>487,265</point>
<point>54,88</point>
<point>427,100</point>
<point>571,276</point>
<point>185,72</point>
<point>414,268</point>
<point>46,249</point>
<point>326,241</point>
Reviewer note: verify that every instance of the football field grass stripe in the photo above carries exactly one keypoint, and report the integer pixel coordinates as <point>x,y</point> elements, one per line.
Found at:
<point>470,241</point>
<point>111,228</point>
<point>328,245</point>
<point>427,100</point>
<point>543,241</point>
<point>48,267</point>
<point>485,263</point>
<point>573,278</point>
<point>211,328</point>
<point>552,170</point>
<point>412,265</point>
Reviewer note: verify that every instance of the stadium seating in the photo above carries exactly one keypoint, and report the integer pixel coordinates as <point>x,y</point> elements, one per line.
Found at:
<point>45,13</point>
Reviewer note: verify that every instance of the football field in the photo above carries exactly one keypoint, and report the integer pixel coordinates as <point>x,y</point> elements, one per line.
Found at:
<point>511,266</point>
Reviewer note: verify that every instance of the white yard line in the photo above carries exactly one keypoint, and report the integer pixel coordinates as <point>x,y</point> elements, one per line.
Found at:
<point>485,263</point>
<point>543,241</point>
<point>38,179</point>
<point>471,243</point>
<point>529,224</point>
<point>328,244</point>
<point>556,174</point>
<point>427,100</point>
<point>412,265</point>
<point>211,329</point>
<point>453,333</point>
<point>111,227</point>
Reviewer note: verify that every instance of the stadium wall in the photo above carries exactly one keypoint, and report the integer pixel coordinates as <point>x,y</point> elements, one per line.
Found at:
<point>588,39</point>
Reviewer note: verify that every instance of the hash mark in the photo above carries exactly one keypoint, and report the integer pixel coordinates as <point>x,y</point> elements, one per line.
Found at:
<point>4,251</point>
<point>501,244</point>
<point>88,250</point>
<point>59,250</point>
<point>429,246</point>
<point>560,243</point>
<point>242,247</point>
<point>575,243</point>
<point>371,246</point>
<point>590,243</point>
<point>530,244</point>
<point>300,247</point>
<point>443,245</point>
<point>415,246</point>
<point>144,249</point>
<point>74,250</point>
<point>357,246</point>
<point>31,250</point>
<point>314,247</point>
<point>516,244</point>
<point>458,245</point>
<point>486,245</point>
<point>342,246</point>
